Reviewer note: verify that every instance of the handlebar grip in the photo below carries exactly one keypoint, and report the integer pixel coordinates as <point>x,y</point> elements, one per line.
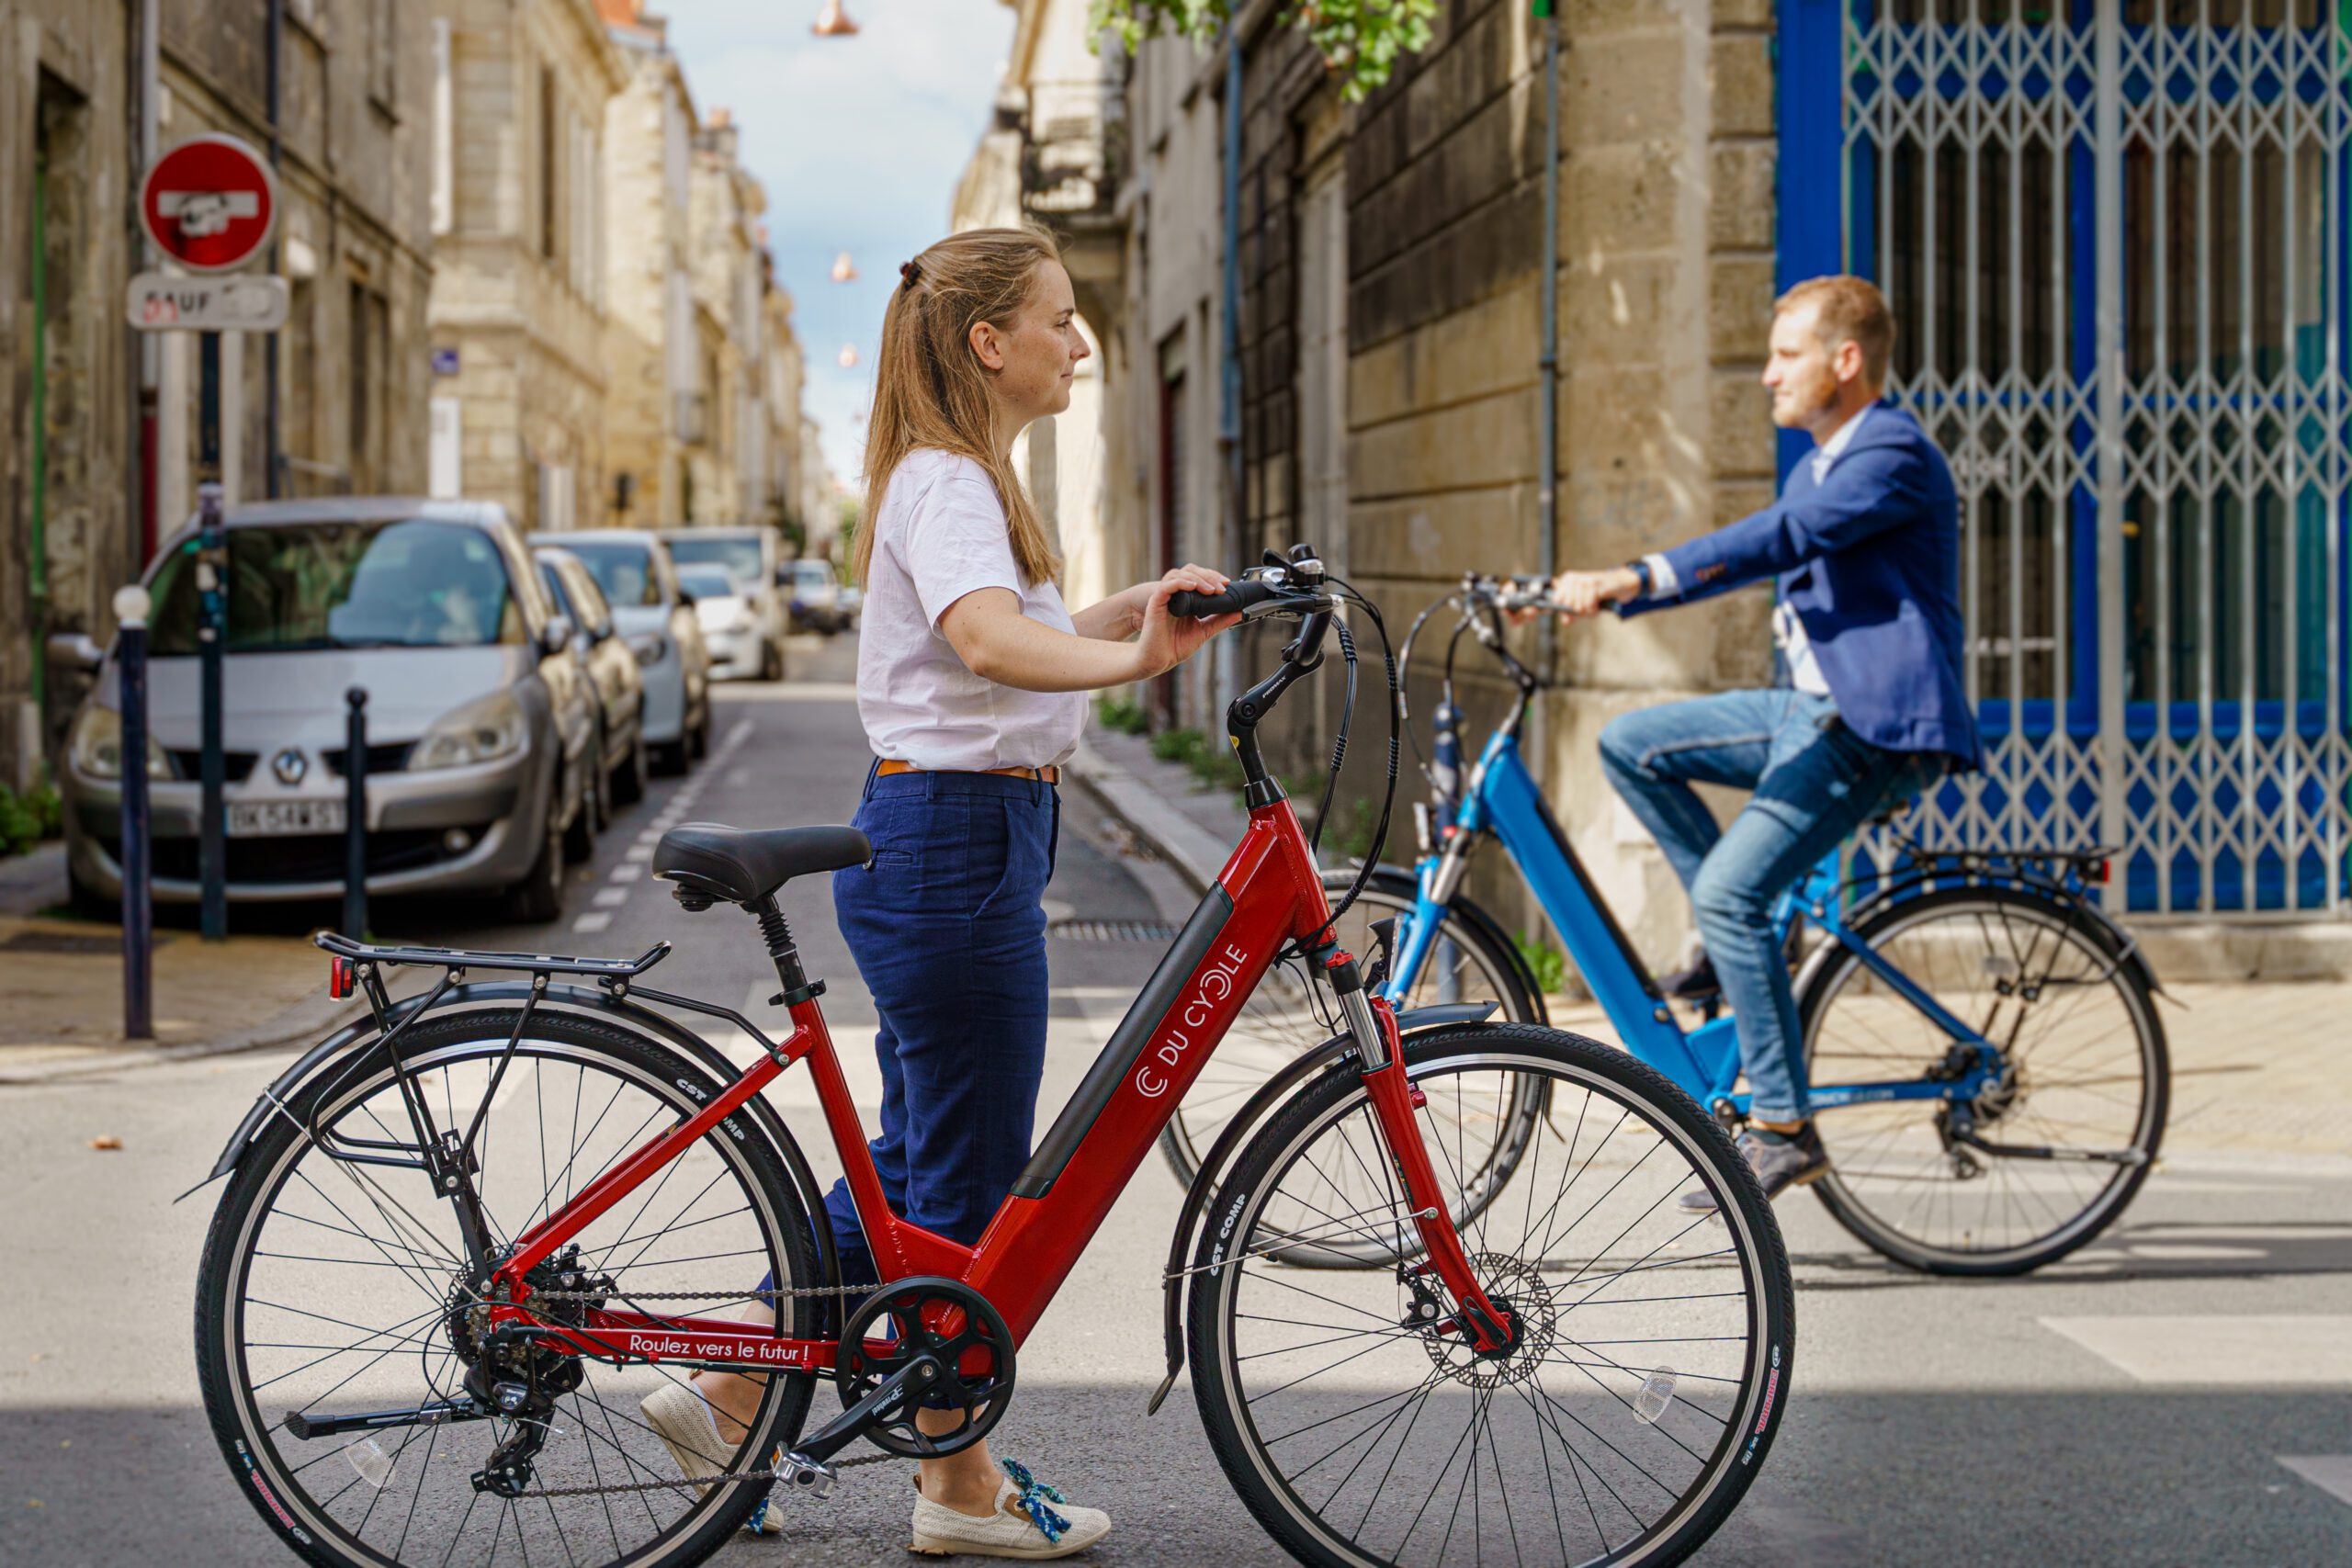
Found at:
<point>1238,596</point>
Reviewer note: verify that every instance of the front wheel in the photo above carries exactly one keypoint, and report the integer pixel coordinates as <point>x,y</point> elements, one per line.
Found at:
<point>1649,1376</point>
<point>2084,1076</point>
<point>328,1290</point>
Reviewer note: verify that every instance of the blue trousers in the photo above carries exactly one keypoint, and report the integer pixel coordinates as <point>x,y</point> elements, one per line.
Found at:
<point>948,929</point>
<point>1815,782</point>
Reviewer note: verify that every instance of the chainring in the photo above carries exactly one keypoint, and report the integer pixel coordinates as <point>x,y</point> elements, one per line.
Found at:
<point>949,1321</point>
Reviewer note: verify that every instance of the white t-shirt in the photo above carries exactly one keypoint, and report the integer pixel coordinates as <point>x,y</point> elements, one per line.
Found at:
<point>939,534</point>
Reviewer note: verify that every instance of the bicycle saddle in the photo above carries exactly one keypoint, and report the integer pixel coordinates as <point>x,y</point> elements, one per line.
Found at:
<point>744,865</point>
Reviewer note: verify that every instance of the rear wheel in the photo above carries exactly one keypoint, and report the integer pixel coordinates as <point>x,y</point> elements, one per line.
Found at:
<point>538,898</point>
<point>2084,1074</point>
<point>579,844</point>
<point>1643,1393</point>
<point>328,1289</point>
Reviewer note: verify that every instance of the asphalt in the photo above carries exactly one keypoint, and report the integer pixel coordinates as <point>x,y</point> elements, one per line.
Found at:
<point>2179,1393</point>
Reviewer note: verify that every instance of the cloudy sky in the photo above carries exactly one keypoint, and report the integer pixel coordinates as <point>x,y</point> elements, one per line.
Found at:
<point>858,141</point>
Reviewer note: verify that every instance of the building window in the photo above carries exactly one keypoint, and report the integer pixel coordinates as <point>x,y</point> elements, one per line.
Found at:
<point>548,154</point>
<point>383,54</point>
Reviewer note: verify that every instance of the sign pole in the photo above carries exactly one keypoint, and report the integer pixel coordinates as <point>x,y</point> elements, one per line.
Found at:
<point>131,607</point>
<point>212,625</point>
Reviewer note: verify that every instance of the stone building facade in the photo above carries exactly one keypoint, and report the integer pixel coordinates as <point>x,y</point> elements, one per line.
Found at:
<point>726,275</point>
<point>518,311</point>
<point>100,452</point>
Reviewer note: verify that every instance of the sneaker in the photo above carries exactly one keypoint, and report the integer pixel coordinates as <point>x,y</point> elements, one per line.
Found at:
<point>1695,983</point>
<point>1779,1161</point>
<point>685,1422</point>
<point>1031,1522</point>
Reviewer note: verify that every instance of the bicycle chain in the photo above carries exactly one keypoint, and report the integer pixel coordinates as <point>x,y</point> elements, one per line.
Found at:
<point>724,1478</point>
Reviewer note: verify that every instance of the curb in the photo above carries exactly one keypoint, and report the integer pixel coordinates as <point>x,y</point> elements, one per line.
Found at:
<point>1189,849</point>
<point>306,1022</point>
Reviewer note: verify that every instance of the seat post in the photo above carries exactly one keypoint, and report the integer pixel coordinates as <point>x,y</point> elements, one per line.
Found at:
<point>796,989</point>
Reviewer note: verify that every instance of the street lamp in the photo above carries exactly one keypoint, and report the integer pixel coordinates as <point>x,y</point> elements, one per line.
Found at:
<point>848,358</point>
<point>834,22</point>
<point>844,269</point>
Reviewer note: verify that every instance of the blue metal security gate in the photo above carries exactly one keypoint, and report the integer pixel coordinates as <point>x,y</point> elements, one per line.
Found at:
<point>2113,236</point>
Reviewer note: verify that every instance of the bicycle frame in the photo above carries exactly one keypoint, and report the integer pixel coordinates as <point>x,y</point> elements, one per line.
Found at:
<point>1270,893</point>
<point>1501,797</point>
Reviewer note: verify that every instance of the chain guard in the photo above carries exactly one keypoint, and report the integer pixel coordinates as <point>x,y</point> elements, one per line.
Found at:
<point>948,1320</point>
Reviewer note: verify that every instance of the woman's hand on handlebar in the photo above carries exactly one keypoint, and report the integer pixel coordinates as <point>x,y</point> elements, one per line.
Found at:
<point>1166,640</point>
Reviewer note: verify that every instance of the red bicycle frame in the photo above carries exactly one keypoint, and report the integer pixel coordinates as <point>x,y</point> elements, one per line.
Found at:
<point>1269,894</point>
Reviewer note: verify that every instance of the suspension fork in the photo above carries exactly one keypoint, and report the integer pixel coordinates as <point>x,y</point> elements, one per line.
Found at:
<point>1487,1326</point>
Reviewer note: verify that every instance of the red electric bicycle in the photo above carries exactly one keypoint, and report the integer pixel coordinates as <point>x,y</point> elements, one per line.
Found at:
<point>462,1239</point>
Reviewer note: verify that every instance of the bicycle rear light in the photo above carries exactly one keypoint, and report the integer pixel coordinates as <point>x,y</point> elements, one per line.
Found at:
<point>342,978</point>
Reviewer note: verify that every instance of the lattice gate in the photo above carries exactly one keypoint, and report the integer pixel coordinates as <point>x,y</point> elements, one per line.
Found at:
<point>2113,236</point>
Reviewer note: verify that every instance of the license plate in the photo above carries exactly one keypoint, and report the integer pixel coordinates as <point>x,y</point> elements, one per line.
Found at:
<point>267,818</point>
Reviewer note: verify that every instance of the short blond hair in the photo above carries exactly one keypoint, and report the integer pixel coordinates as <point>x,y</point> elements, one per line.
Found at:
<point>1848,310</point>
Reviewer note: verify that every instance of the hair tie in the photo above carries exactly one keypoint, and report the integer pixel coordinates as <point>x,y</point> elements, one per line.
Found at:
<point>909,273</point>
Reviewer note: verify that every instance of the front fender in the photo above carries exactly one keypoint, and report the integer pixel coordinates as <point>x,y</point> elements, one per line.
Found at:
<point>1306,1064</point>
<point>346,1044</point>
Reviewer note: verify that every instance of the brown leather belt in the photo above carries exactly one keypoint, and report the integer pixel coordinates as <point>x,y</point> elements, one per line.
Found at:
<point>890,765</point>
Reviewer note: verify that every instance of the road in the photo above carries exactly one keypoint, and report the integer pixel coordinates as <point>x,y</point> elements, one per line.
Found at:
<point>2137,1404</point>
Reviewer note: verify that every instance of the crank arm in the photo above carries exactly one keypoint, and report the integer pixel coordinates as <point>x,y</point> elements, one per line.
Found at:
<point>851,1424</point>
<point>309,1427</point>
<point>2024,1151</point>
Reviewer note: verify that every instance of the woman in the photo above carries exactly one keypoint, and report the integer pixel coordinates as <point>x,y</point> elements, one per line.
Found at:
<point>971,681</point>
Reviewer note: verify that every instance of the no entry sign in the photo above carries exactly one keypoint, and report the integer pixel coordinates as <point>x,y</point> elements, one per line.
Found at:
<point>209,203</point>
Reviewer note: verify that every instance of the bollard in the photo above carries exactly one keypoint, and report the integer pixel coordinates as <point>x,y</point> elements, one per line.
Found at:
<point>130,607</point>
<point>354,823</point>
<point>212,632</point>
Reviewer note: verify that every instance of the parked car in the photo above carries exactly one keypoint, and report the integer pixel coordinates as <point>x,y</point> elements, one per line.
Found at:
<point>816,602</point>
<point>657,618</point>
<point>478,715</point>
<point>750,557</point>
<point>612,675</point>
<point>848,599</point>
<point>731,626</point>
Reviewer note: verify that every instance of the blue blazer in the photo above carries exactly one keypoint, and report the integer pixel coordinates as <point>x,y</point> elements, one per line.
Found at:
<point>1868,559</point>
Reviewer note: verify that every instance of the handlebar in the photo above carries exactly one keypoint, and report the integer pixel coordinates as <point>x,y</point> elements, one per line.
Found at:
<point>1252,598</point>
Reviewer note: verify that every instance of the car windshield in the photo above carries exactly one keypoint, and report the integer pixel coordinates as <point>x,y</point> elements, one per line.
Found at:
<point>741,557</point>
<point>400,583</point>
<point>622,567</point>
<point>708,581</point>
<point>813,574</point>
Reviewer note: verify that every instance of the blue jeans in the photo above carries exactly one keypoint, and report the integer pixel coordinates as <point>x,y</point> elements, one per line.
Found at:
<point>1815,782</point>
<point>947,925</point>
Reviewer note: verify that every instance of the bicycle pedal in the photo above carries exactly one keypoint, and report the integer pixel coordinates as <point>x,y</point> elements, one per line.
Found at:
<point>811,1477</point>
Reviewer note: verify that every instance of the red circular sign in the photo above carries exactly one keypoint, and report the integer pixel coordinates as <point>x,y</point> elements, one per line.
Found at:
<point>209,203</point>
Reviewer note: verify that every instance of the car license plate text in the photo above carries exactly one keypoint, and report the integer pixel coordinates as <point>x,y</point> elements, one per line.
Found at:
<point>267,818</point>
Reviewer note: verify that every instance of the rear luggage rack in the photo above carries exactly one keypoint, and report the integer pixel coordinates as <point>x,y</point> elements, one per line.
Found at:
<point>460,958</point>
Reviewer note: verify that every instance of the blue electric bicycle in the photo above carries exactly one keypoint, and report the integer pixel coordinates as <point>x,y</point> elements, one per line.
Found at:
<point>1988,1071</point>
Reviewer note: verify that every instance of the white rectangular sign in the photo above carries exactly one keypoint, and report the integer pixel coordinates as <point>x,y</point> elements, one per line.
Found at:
<point>234,302</point>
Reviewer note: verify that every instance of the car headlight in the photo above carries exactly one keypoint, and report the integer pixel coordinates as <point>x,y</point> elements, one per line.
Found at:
<point>481,731</point>
<point>650,648</point>
<point>96,746</point>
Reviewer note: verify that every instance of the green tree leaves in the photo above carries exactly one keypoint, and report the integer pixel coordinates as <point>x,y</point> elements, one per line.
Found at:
<point>1360,40</point>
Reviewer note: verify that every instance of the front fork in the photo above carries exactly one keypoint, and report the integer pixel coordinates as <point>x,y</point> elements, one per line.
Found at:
<point>1489,1328</point>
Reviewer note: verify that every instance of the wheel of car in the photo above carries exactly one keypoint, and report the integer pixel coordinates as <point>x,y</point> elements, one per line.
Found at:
<point>772,663</point>
<point>538,898</point>
<point>628,779</point>
<point>86,902</point>
<point>699,742</point>
<point>580,843</point>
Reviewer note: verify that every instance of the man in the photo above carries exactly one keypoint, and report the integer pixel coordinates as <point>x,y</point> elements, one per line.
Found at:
<point>1864,544</point>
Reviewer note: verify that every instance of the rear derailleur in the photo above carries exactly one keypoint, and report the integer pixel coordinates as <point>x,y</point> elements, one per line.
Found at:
<point>513,1373</point>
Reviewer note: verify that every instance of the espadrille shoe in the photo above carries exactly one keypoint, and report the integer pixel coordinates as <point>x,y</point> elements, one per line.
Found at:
<point>1031,1522</point>
<point>685,1422</point>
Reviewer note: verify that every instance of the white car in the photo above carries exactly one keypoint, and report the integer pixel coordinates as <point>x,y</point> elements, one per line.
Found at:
<point>816,596</point>
<point>748,554</point>
<point>731,623</point>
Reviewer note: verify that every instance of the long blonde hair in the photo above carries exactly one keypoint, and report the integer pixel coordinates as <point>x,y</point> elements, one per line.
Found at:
<point>931,390</point>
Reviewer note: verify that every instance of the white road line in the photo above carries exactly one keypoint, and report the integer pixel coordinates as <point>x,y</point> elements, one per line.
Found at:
<point>652,836</point>
<point>637,852</point>
<point>2312,1350</point>
<point>2332,1473</point>
<point>595,921</point>
<point>740,777</point>
<point>627,871</point>
<point>741,732</point>
<point>611,898</point>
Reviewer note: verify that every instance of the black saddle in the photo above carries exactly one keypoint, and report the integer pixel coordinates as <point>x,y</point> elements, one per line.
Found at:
<point>743,865</point>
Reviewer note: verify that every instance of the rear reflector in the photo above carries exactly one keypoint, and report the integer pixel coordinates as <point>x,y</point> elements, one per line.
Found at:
<point>342,978</point>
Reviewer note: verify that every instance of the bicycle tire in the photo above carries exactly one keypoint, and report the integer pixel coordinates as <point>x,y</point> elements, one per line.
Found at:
<point>244,1417</point>
<point>1226,1260</point>
<point>1848,1193</point>
<point>1233,1076</point>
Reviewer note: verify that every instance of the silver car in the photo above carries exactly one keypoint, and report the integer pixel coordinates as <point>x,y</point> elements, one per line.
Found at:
<point>750,557</point>
<point>479,722</point>
<point>612,674</point>
<point>657,616</point>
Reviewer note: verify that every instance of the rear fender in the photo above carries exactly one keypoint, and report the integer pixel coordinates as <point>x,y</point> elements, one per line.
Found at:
<point>1307,1065</point>
<point>345,1046</point>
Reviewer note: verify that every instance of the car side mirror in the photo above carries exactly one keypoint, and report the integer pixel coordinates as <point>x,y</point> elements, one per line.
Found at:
<point>685,600</point>
<point>77,650</point>
<point>558,634</point>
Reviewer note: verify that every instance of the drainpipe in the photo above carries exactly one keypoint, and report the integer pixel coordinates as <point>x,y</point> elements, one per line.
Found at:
<point>1228,435</point>
<point>273,453</point>
<point>1547,479</point>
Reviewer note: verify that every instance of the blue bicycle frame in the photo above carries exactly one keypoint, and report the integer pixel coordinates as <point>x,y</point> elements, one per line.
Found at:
<point>1501,797</point>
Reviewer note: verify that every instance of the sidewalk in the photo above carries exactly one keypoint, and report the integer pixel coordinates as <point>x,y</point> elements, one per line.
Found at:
<point>2259,1067</point>
<point>63,982</point>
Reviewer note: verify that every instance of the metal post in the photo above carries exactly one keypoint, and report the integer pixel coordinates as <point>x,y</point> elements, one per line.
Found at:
<point>212,634</point>
<point>2108,193</point>
<point>130,607</point>
<point>355,827</point>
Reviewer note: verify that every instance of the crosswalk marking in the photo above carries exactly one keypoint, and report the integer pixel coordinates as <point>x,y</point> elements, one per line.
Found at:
<point>611,898</point>
<point>2312,1350</point>
<point>595,921</point>
<point>2332,1473</point>
<point>627,871</point>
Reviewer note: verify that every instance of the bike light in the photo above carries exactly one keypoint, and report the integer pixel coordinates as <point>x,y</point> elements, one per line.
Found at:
<point>342,978</point>
<point>2097,871</point>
